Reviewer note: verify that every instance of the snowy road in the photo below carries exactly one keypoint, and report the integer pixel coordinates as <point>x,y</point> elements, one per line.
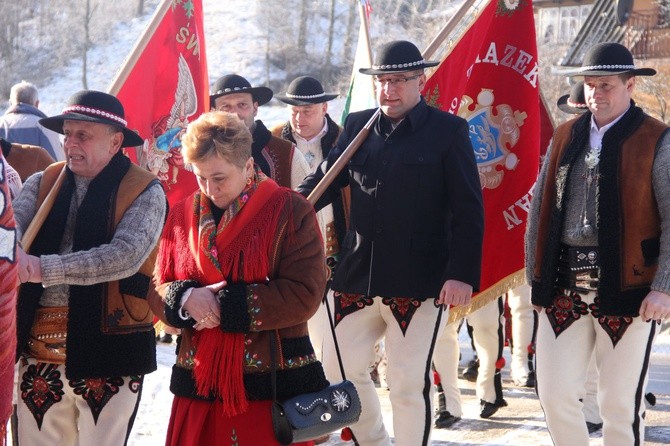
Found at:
<point>519,424</point>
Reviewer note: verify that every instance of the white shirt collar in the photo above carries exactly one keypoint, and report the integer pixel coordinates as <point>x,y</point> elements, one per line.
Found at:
<point>318,136</point>
<point>596,134</point>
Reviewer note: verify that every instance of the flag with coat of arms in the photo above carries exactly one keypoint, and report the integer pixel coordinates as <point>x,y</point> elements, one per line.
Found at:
<point>163,86</point>
<point>490,78</point>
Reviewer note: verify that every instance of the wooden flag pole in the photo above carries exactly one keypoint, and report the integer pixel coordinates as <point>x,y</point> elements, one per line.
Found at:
<point>342,161</point>
<point>353,146</point>
<point>141,44</point>
<point>41,214</point>
<point>366,31</point>
<point>448,28</point>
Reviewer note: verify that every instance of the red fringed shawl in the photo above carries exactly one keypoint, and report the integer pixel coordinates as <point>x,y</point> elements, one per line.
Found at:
<point>238,251</point>
<point>8,287</point>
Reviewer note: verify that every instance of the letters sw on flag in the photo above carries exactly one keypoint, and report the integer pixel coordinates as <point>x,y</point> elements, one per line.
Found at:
<point>166,88</point>
<point>490,78</point>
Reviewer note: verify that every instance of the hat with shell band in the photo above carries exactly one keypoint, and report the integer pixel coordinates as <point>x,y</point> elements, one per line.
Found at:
<point>98,107</point>
<point>234,83</point>
<point>398,56</point>
<point>607,59</point>
<point>573,103</point>
<point>305,90</point>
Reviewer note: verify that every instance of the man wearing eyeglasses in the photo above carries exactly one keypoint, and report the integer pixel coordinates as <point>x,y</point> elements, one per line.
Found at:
<point>277,158</point>
<point>413,247</point>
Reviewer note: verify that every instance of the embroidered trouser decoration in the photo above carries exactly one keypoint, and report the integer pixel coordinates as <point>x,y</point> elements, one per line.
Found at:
<point>566,308</point>
<point>97,392</point>
<point>41,388</point>
<point>402,308</point>
<point>614,326</point>
<point>346,303</point>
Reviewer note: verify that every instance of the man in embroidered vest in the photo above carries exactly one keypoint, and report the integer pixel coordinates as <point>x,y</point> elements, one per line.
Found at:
<point>276,157</point>
<point>84,327</point>
<point>314,133</point>
<point>413,246</point>
<point>574,103</point>
<point>598,253</point>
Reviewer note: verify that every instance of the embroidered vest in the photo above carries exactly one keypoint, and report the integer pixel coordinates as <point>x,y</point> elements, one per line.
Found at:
<point>125,306</point>
<point>279,155</point>
<point>110,330</point>
<point>341,208</point>
<point>629,221</point>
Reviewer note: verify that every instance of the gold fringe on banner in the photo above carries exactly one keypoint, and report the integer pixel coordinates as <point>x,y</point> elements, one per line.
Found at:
<point>488,295</point>
<point>159,326</point>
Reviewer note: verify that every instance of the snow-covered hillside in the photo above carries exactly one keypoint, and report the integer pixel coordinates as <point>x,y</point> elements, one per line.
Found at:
<point>233,43</point>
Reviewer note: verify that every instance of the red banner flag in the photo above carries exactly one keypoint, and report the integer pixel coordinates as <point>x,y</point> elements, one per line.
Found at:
<point>8,288</point>
<point>490,78</point>
<point>163,86</point>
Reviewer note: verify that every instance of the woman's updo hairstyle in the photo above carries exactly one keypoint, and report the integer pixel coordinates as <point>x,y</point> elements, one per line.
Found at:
<point>217,133</point>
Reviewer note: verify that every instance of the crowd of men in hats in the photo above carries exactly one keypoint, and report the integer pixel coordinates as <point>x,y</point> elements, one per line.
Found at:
<point>402,227</point>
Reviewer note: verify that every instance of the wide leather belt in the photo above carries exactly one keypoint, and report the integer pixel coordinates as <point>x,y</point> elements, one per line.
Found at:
<point>46,341</point>
<point>332,244</point>
<point>579,268</point>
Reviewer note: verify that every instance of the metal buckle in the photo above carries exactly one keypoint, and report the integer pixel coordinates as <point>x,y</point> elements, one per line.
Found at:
<point>590,285</point>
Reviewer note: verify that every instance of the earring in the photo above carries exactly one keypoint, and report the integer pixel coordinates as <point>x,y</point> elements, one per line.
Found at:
<point>249,181</point>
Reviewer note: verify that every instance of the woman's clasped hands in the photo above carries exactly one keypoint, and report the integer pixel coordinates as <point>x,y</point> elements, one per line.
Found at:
<point>203,306</point>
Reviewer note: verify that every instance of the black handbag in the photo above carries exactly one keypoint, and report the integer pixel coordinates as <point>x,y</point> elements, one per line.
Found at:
<point>311,415</point>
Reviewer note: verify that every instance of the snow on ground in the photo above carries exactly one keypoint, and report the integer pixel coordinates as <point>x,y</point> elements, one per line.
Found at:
<point>234,44</point>
<point>519,424</point>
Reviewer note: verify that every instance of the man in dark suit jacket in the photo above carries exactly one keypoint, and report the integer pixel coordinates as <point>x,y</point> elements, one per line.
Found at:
<point>413,246</point>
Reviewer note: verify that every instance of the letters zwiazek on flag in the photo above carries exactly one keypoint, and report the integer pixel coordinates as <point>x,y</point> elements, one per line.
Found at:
<point>163,86</point>
<point>490,78</point>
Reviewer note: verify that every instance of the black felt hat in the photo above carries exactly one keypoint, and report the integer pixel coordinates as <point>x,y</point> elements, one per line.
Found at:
<point>234,83</point>
<point>305,90</point>
<point>398,56</point>
<point>610,58</point>
<point>94,106</point>
<point>573,103</point>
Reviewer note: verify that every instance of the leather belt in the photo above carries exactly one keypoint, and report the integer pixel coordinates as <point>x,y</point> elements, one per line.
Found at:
<point>579,268</point>
<point>46,341</point>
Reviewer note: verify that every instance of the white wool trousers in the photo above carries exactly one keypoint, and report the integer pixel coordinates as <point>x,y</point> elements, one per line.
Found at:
<point>590,400</point>
<point>562,363</point>
<point>523,328</point>
<point>446,358</point>
<point>55,411</point>
<point>487,334</point>
<point>319,329</point>
<point>409,373</point>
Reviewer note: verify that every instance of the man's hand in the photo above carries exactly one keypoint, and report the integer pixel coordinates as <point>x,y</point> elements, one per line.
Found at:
<point>30,269</point>
<point>455,292</point>
<point>203,306</point>
<point>655,306</point>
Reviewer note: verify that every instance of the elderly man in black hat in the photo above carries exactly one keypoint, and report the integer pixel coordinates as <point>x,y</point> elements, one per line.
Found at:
<point>598,253</point>
<point>84,327</point>
<point>276,157</point>
<point>312,130</point>
<point>413,246</point>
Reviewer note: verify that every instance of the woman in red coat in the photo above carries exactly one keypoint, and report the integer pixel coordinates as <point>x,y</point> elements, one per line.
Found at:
<point>241,261</point>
